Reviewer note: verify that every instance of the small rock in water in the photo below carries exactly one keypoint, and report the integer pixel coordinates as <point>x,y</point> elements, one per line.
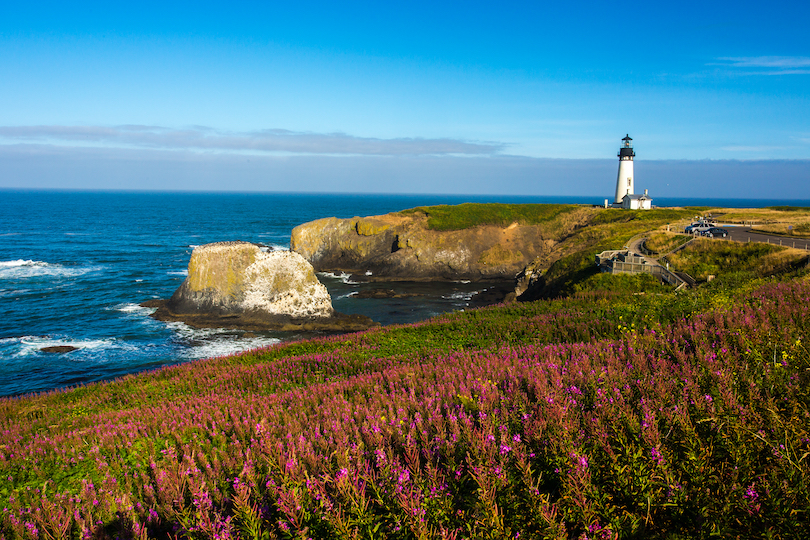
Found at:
<point>59,349</point>
<point>383,293</point>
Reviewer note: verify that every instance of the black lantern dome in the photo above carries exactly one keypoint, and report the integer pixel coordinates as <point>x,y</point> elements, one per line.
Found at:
<point>626,150</point>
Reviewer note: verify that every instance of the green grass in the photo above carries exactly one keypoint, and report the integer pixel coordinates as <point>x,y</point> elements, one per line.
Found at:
<point>463,216</point>
<point>621,283</point>
<point>659,215</point>
<point>714,257</point>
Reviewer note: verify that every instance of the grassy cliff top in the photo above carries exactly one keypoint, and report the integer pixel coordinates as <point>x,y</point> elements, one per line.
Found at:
<point>455,217</point>
<point>463,216</point>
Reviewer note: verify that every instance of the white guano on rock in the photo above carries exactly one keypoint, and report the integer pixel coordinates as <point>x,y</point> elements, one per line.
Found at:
<point>284,283</point>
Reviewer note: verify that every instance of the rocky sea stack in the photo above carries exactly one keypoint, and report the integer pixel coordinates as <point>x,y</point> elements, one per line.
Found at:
<point>242,285</point>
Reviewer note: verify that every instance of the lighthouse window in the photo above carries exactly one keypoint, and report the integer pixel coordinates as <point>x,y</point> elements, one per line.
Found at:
<point>628,180</point>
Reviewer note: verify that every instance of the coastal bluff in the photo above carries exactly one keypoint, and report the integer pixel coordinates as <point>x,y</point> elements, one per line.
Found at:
<point>243,285</point>
<point>403,246</point>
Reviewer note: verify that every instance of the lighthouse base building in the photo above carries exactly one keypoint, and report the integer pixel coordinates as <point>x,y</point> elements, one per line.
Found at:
<point>636,202</point>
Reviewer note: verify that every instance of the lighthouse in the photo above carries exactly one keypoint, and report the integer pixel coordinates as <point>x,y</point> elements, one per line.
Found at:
<point>624,182</point>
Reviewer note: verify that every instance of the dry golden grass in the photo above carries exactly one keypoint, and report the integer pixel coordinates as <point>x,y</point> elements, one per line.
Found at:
<point>764,215</point>
<point>705,257</point>
<point>799,229</point>
<point>567,221</point>
<point>753,215</point>
<point>779,261</point>
<point>664,242</point>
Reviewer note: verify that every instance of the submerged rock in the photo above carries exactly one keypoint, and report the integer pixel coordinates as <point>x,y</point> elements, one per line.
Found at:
<point>240,285</point>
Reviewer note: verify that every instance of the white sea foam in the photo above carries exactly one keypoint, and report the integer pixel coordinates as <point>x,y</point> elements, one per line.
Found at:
<point>134,309</point>
<point>465,296</point>
<point>275,247</point>
<point>343,276</point>
<point>226,347</point>
<point>21,262</point>
<point>178,273</point>
<point>13,292</point>
<point>24,269</point>
<point>341,297</point>
<point>30,345</point>
<point>214,342</point>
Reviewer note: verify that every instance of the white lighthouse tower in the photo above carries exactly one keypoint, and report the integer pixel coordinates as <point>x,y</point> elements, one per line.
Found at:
<point>624,182</point>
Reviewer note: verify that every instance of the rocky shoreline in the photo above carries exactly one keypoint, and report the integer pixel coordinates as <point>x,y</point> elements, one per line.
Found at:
<point>240,285</point>
<point>261,322</point>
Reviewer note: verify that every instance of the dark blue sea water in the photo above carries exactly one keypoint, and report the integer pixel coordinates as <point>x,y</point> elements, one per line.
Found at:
<point>75,265</point>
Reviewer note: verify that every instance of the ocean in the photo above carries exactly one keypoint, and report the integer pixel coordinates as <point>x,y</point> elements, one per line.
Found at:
<point>75,265</point>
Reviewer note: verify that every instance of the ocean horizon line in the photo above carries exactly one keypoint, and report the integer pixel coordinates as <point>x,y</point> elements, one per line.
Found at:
<point>596,200</point>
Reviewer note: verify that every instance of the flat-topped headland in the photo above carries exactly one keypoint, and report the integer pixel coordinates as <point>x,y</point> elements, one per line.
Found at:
<point>540,246</point>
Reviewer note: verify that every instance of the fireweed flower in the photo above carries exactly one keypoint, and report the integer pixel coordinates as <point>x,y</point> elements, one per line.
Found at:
<point>429,439</point>
<point>751,497</point>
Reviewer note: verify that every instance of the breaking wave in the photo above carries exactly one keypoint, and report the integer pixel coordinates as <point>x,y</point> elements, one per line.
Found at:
<point>25,269</point>
<point>343,276</point>
<point>31,345</point>
<point>216,342</point>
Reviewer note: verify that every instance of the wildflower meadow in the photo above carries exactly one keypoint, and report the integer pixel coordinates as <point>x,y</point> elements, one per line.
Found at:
<point>600,416</point>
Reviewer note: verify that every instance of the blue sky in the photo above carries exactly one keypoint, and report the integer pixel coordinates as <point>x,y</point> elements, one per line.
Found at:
<point>457,97</point>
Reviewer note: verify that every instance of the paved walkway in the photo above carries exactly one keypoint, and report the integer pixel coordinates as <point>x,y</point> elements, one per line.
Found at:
<point>745,234</point>
<point>736,233</point>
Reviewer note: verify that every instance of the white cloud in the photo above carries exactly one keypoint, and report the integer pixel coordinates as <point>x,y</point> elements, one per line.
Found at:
<point>741,148</point>
<point>34,166</point>
<point>771,65</point>
<point>200,138</point>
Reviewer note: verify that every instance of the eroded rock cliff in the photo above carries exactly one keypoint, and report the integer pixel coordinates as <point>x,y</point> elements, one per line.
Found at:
<point>238,284</point>
<point>402,247</point>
